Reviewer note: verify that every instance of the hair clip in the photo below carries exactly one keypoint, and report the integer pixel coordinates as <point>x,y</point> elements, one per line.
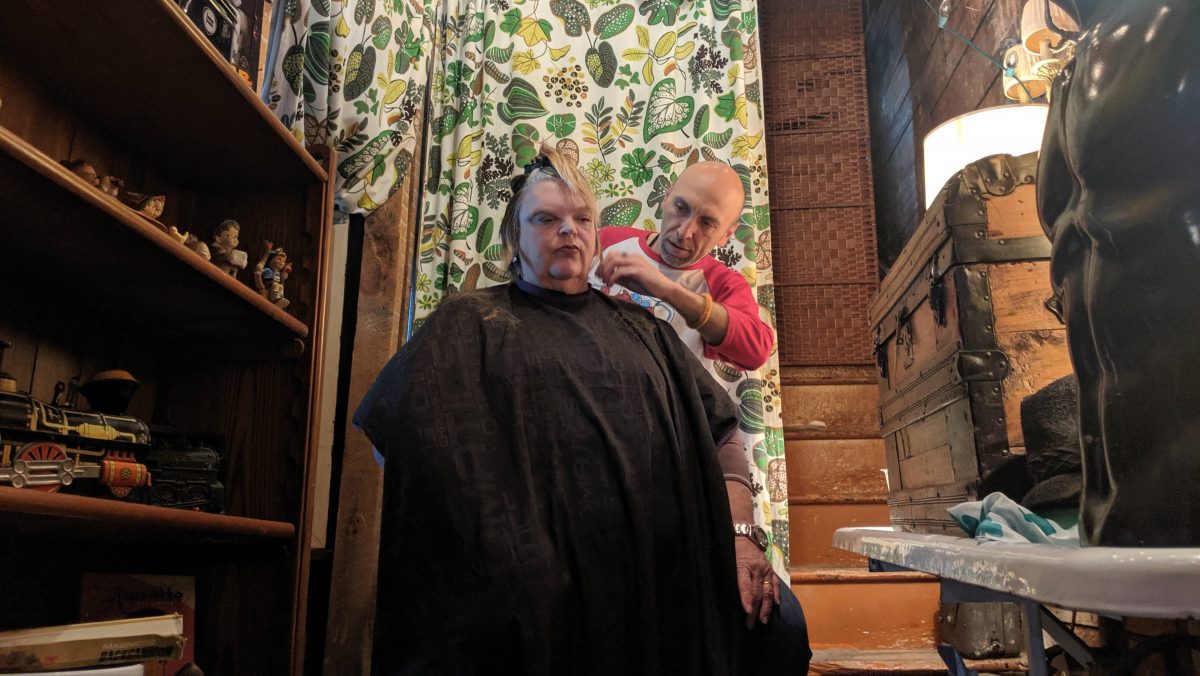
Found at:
<point>539,162</point>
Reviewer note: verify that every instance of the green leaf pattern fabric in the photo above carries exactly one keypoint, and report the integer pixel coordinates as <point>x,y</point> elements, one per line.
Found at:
<point>352,75</point>
<point>635,91</point>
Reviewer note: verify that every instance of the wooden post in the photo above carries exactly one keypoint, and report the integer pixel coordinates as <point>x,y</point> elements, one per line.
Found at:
<point>383,293</point>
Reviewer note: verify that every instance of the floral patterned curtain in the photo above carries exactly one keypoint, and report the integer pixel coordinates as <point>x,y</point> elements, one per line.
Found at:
<point>351,74</point>
<point>634,92</point>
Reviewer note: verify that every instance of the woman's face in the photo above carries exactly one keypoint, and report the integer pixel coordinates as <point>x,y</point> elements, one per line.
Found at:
<point>558,237</point>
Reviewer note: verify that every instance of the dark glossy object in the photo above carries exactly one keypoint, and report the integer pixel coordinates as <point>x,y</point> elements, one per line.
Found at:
<point>1120,197</point>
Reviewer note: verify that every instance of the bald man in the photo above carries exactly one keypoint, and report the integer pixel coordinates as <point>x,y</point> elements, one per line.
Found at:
<point>672,274</point>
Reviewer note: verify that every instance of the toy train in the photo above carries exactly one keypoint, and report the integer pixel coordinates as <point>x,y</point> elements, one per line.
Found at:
<point>47,447</point>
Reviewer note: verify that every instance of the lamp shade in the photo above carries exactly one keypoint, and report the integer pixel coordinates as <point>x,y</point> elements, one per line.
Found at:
<point>1021,61</point>
<point>1013,129</point>
<point>1034,28</point>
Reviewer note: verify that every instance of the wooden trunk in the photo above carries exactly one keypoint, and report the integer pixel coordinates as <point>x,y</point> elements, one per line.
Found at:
<point>963,333</point>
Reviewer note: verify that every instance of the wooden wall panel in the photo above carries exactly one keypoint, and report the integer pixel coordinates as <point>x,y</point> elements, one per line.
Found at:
<point>834,470</point>
<point>848,411</point>
<point>918,77</point>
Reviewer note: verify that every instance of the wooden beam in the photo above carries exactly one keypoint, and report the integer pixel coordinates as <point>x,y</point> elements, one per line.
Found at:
<point>386,272</point>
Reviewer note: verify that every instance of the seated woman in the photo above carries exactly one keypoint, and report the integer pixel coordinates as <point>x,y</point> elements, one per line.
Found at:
<point>553,498</point>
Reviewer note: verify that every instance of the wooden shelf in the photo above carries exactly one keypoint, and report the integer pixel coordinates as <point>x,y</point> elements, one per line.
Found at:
<point>93,254</point>
<point>31,512</point>
<point>141,70</point>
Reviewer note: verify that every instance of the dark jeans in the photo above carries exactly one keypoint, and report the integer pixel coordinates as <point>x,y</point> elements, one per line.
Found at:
<point>781,646</point>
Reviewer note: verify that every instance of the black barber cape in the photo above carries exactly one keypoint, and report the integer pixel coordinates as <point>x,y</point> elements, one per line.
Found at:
<point>552,498</point>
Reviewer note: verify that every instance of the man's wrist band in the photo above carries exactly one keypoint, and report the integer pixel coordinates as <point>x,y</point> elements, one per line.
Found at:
<point>706,314</point>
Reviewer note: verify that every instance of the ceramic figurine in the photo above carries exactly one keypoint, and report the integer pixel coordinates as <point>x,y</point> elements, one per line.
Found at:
<point>111,185</point>
<point>178,236</point>
<point>270,274</point>
<point>224,251</point>
<point>151,206</point>
<point>193,242</point>
<point>84,170</point>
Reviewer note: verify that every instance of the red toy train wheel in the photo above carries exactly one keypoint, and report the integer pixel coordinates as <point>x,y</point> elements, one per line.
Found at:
<point>42,450</point>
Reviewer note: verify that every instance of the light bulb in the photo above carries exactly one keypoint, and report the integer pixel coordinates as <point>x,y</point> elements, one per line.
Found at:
<point>944,13</point>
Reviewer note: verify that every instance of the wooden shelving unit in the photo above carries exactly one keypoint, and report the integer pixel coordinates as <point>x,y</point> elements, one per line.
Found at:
<point>29,512</point>
<point>87,284</point>
<point>191,298</point>
<point>139,70</point>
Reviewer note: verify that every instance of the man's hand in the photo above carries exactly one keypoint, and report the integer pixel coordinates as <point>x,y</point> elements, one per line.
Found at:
<point>757,583</point>
<point>635,273</point>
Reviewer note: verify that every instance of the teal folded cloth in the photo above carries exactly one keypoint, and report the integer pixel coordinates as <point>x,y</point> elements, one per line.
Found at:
<point>997,518</point>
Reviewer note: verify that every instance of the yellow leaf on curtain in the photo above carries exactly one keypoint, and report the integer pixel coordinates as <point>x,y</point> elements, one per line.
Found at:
<point>666,44</point>
<point>525,62</point>
<point>463,154</point>
<point>558,53</point>
<point>395,90</point>
<point>532,32</point>
<point>365,202</point>
<point>342,29</point>
<point>742,145</point>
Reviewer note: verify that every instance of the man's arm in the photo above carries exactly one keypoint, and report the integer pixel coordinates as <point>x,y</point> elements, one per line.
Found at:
<point>733,331</point>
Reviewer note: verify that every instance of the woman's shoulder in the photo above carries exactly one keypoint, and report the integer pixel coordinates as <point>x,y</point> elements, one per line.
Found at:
<point>475,306</point>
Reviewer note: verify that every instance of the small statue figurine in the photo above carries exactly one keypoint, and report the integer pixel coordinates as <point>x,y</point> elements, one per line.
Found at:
<point>200,248</point>
<point>270,274</point>
<point>224,251</point>
<point>83,169</point>
<point>151,206</point>
<point>111,185</point>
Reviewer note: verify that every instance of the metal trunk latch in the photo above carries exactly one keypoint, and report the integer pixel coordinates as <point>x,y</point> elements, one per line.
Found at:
<point>937,293</point>
<point>881,358</point>
<point>904,338</point>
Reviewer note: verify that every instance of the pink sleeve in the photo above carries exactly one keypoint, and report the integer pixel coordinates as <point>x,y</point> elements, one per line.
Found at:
<point>611,235</point>
<point>748,340</point>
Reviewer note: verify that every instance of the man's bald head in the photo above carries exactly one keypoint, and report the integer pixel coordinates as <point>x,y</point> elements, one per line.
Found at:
<point>718,179</point>
<point>700,212</point>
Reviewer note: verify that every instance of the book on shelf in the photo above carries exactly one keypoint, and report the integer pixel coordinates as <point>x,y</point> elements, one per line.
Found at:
<point>113,596</point>
<point>87,644</point>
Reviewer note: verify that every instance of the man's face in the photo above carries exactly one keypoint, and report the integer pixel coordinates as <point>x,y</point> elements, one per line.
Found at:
<point>698,215</point>
<point>558,237</point>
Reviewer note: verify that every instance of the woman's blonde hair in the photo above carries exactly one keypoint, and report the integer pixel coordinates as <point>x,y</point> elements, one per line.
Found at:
<point>549,165</point>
